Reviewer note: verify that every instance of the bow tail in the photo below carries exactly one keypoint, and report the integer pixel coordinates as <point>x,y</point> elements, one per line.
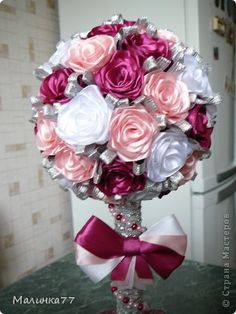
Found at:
<point>142,269</point>
<point>132,272</point>
<point>120,271</point>
<point>164,264</point>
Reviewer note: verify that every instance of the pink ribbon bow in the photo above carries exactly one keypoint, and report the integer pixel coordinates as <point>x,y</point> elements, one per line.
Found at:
<point>100,250</point>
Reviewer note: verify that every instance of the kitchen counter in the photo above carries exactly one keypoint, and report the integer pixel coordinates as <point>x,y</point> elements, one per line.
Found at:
<point>193,288</point>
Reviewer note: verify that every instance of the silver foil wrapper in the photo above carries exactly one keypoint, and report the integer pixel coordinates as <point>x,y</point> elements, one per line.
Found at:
<point>116,102</point>
<point>90,149</point>
<point>118,39</point>
<point>56,107</point>
<point>96,193</point>
<point>111,100</point>
<point>42,71</point>
<point>175,180</point>
<point>46,163</point>
<point>122,103</point>
<point>150,64</point>
<point>184,125</point>
<point>128,30</point>
<point>117,197</point>
<point>151,29</point>
<point>75,35</point>
<point>212,100</point>
<point>142,23</point>
<point>176,67</point>
<point>161,121</point>
<point>193,98</point>
<point>96,152</point>
<point>150,104</point>
<point>194,53</point>
<point>205,154</point>
<point>211,111</point>
<point>65,184</point>
<point>216,100</point>
<point>36,101</point>
<point>81,190</point>
<point>139,167</point>
<point>54,173</point>
<point>87,78</point>
<point>108,156</point>
<point>79,150</point>
<point>138,100</point>
<point>150,191</point>
<point>49,112</point>
<point>34,116</point>
<point>177,51</point>
<point>162,63</point>
<point>72,87</point>
<point>98,174</point>
<point>117,19</point>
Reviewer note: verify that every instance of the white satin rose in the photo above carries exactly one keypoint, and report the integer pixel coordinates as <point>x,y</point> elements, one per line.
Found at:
<point>195,77</point>
<point>60,55</point>
<point>169,152</point>
<point>85,119</point>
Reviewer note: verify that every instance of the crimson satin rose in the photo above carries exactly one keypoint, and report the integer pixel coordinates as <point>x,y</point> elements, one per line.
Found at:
<point>200,132</point>
<point>109,29</point>
<point>145,46</point>
<point>122,76</point>
<point>53,87</point>
<point>118,178</point>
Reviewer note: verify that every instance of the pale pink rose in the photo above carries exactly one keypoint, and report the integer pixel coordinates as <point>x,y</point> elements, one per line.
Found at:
<point>77,168</point>
<point>189,168</point>
<point>131,134</point>
<point>171,95</point>
<point>91,54</point>
<point>168,35</point>
<point>46,138</point>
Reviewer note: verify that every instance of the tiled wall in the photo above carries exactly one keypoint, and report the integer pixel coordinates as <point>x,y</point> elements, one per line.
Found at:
<point>35,214</point>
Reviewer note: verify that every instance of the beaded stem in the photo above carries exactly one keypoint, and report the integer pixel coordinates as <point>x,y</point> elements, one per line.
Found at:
<point>128,224</point>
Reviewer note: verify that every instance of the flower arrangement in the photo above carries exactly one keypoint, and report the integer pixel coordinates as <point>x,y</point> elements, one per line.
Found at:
<point>122,110</point>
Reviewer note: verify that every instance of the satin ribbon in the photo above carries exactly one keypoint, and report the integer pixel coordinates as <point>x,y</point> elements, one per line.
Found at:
<point>100,250</point>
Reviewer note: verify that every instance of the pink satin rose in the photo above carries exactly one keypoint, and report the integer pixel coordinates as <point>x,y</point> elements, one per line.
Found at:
<point>131,132</point>
<point>171,95</point>
<point>46,138</point>
<point>200,132</point>
<point>77,168</point>
<point>91,54</point>
<point>144,46</point>
<point>109,29</point>
<point>53,87</point>
<point>118,178</point>
<point>189,169</point>
<point>122,76</point>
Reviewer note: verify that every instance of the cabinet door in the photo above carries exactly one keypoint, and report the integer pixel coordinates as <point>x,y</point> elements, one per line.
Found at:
<point>222,163</point>
<point>213,229</point>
